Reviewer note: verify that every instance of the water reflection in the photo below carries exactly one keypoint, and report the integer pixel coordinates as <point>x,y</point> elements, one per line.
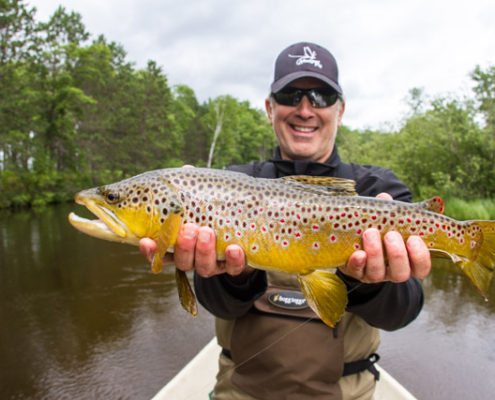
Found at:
<point>83,318</point>
<point>440,355</point>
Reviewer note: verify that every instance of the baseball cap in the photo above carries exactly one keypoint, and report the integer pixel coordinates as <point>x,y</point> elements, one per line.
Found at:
<point>302,60</point>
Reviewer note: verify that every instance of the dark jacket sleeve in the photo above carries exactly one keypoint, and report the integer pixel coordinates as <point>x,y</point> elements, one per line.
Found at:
<point>388,305</point>
<point>227,299</point>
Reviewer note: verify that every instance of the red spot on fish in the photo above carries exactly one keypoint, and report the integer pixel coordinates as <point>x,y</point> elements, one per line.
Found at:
<point>297,234</point>
<point>373,217</point>
<point>333,238</point>
<point>359,231</point>
<point>336,225</point>
<point>315,227</point>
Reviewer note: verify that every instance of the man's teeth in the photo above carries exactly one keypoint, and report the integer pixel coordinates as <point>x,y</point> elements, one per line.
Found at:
<point>303,128</point>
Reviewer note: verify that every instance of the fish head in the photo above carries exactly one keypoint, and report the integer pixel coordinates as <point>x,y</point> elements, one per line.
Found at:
<point>128,210</point>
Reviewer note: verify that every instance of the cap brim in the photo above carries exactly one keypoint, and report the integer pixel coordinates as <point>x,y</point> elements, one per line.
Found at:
<point>282,82</point>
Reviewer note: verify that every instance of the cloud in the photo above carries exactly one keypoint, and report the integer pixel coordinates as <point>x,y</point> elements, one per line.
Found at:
<point>384,48</point>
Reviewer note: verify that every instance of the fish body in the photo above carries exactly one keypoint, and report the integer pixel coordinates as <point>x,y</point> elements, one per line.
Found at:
<point>300,225</point>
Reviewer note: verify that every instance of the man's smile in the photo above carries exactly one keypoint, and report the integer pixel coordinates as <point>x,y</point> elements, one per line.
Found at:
<point>303,129</point>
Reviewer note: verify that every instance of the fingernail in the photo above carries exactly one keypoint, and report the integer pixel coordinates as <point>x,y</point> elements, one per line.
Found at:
<point>235,253</point>
<point>204,236</point>
<point>187,233</point>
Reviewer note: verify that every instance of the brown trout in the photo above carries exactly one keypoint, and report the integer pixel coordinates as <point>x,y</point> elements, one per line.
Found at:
<point>300,225</point>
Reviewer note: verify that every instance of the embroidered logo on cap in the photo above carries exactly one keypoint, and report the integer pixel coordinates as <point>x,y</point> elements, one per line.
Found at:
<point>309,57</point>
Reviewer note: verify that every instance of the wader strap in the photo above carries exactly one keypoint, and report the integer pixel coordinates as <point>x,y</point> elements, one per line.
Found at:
<point>361,365</point>
<point>349,368</point>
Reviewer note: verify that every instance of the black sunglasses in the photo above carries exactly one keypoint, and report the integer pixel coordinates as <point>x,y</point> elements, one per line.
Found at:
<point>318,97</point>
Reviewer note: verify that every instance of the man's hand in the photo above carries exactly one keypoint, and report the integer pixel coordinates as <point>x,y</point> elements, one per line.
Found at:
<point>195,249</point>
<point>404,259</point>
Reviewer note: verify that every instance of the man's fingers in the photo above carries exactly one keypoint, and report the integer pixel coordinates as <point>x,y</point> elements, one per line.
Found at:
<point>356,265</point>
<point>399,269</point>
<point>419,257</point>
<point>205,259</point>
<point>234,260</point>
<point>384,196</point>
<point>375,266</point>
<point>147,247</point>
<point>184,247</point>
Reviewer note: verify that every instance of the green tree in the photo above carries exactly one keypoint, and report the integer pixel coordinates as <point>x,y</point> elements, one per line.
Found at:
<point>485,93</point>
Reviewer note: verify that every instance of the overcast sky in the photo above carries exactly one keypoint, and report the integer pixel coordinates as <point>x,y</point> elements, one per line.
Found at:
<point>383,47</point>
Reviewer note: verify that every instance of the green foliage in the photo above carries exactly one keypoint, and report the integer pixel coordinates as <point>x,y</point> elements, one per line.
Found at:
<point>74,113</point>
<point>470,209</point>
<point>440,150</point>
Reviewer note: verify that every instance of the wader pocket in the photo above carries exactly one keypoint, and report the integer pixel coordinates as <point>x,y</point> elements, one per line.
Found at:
<point>279,354</point>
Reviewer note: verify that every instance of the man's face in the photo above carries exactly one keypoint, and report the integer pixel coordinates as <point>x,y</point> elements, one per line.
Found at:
<point>304,132</point>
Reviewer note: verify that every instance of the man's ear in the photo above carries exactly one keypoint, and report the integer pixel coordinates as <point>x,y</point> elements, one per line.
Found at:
<point>269,110</point>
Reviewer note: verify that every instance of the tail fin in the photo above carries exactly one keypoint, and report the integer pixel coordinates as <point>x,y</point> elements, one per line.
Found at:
<point>326,294</point>
<point>481,270</point>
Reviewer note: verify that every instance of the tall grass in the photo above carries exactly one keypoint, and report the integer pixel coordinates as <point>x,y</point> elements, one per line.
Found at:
<point>472,209</point>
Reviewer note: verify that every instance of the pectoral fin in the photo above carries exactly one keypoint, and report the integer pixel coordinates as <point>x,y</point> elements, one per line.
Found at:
<point>166,238</point>
<point>326,295</point>
<point>186,294</point>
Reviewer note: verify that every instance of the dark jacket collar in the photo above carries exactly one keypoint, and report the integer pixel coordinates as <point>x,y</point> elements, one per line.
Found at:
<point>300,167</point>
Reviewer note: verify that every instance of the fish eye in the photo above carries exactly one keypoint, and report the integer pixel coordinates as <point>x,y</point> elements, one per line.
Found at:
<point>112,198</point>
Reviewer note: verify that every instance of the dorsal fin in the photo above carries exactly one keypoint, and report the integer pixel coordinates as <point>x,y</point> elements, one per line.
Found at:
<point>434,204</point>
<point>330,186</point>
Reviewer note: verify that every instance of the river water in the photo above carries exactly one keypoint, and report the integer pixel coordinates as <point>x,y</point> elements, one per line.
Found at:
<point>81,318</point>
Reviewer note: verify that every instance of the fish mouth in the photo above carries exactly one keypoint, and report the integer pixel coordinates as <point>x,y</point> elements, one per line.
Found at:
<point>107,226</point>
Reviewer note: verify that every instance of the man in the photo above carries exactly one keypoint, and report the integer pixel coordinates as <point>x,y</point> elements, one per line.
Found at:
<point>272,352</point>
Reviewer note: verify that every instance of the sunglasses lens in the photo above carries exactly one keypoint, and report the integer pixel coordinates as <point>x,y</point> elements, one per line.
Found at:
<point>319,98</point>
<point>289,97</point>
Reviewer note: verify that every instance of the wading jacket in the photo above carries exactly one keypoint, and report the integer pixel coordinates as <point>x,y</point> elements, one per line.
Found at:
<point>276,352</point>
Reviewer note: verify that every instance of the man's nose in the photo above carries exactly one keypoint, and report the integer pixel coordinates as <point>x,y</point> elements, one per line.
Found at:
<point>304,108</point>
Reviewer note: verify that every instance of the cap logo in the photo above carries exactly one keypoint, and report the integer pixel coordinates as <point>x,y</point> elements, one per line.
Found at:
<point>309,57</point>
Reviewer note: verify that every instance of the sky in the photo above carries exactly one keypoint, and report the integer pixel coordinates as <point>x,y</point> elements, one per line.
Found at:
<point>383,48</point>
